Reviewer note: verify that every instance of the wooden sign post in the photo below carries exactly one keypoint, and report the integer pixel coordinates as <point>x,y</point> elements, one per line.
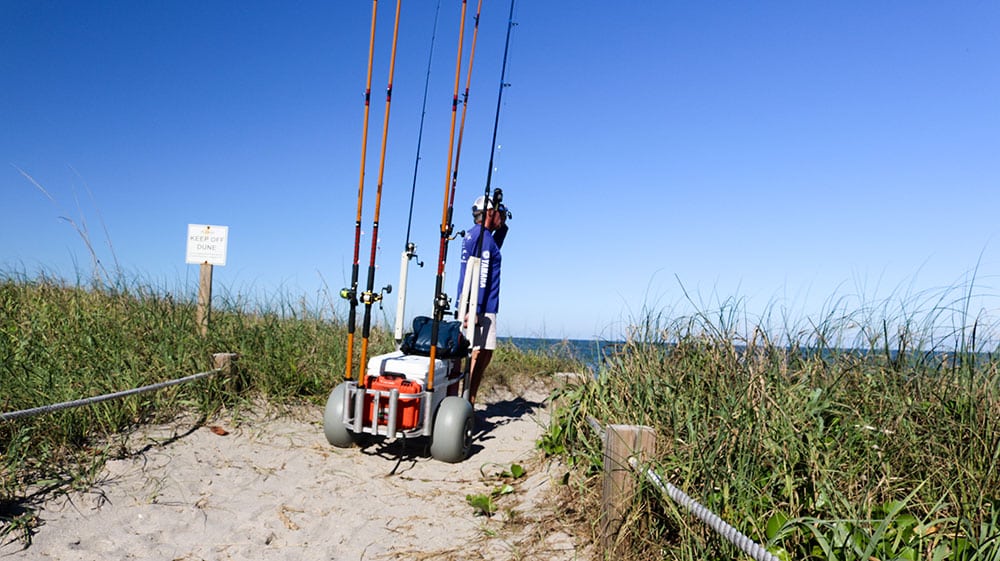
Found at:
<point>204,298</point>
<point>206,246</point>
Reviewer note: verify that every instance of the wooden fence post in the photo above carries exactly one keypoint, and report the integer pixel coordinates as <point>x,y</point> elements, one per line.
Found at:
<point>620,443</point>
<point>224,362</point>
<point>204,298</point>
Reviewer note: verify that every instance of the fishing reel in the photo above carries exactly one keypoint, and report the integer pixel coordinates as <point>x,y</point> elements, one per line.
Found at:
<point>442,304</point>
<point>498,204</point>
<point>368,297</point>
<point>411,253</point>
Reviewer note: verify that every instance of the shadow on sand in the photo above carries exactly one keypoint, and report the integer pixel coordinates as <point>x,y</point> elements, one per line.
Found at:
<point>410,450</point>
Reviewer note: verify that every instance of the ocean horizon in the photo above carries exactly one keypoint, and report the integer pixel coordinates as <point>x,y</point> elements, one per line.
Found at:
<point>590,352</point>
<point>593,352</point>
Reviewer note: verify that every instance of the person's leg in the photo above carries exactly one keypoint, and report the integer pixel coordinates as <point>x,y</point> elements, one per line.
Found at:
<point>484,344</point>
<point>480,360</point>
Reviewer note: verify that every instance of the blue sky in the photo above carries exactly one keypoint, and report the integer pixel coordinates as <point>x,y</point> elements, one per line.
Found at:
<point>784,154</point>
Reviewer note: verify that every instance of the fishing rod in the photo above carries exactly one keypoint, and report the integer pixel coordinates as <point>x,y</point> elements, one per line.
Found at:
<point>469,298</point>
<point>496,119</point>
<point>465,107</point>
<point>410,249</point>
<point>351,293</point>
<point>440,297</point>
<point>369,297</point>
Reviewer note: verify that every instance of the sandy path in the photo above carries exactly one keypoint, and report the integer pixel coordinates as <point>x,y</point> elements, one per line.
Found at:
<point>273,488</point>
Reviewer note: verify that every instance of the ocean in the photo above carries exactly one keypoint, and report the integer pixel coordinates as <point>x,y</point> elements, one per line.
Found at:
<point>590,352</point>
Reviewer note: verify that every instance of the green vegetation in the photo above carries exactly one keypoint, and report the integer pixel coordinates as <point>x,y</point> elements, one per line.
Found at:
<point>855,438</point>
<point>61,342</point>
<point>485,504</point>
<point>888,450</point>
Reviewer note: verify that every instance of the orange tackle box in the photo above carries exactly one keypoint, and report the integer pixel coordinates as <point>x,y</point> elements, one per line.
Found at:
<point>407,409</point>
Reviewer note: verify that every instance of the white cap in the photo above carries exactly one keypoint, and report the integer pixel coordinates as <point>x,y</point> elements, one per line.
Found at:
<point>477,206</point>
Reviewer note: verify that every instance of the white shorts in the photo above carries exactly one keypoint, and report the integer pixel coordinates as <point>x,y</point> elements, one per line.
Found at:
<point>485,336</point>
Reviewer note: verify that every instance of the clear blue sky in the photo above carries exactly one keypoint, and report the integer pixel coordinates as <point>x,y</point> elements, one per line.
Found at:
<point>779,153</point>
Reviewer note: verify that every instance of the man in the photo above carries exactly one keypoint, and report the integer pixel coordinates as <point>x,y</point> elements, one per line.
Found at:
<point>484,240</point>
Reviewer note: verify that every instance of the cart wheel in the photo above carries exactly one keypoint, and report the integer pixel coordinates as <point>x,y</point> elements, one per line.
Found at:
<point>333,419</point>
<point>452,435</point>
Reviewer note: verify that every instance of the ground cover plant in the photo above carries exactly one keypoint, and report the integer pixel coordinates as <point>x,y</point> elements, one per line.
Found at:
<point>858,437</point>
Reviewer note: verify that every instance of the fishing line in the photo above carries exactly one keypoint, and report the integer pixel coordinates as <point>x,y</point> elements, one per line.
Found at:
<point>351,294</point>
<point>420,130</point>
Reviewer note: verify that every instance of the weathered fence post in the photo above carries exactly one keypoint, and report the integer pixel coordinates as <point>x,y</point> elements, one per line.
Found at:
<point>620,443</point>
<point>204,298</point>
<point>224,362</point>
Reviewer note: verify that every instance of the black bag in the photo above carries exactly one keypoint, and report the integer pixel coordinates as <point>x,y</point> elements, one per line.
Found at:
<point>451,342</point>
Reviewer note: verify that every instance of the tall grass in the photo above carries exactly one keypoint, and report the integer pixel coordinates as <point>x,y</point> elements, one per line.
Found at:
<point>61,342</point>
<point>860,437</point>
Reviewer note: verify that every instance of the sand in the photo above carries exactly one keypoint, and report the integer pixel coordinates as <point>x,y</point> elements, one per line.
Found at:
<point>271,487</point>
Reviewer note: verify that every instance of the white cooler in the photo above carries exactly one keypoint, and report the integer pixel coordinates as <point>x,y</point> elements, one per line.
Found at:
<point>413,367</point>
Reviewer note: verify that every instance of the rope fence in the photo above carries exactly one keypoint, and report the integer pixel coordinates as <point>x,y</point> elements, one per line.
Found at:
<point>623,445</point>
<point>737,538</point>
<point>221,361</point>
<point>594,424</point>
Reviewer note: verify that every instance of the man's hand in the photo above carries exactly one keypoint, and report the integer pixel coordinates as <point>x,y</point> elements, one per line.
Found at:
<point>494,219</point>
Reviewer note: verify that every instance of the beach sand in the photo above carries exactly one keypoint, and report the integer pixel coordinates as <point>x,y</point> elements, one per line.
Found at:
<point>268,486</point>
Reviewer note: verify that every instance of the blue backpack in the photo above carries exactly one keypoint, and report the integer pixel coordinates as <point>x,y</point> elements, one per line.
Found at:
<point>451,343</point>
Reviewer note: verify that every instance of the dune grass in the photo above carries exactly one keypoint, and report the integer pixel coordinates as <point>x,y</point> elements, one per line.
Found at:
<point>859,437</point>
<point>60,342</point>
<point>864,435</point>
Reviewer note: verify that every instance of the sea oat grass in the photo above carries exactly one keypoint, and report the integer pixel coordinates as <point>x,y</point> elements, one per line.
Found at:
<point>860,453</point>
<point>60,343</point>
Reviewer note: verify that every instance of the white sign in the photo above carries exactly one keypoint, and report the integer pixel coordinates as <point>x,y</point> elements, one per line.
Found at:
<point>207,244</point>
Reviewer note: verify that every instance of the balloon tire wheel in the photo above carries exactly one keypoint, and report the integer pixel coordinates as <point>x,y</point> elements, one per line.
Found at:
<point>336,432</point>
<point>451,438</point>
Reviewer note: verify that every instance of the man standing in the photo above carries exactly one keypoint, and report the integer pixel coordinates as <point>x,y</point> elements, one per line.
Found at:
<point>484,240</point>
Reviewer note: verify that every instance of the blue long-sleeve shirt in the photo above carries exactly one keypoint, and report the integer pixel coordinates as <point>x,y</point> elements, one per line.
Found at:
<point>489,273</point>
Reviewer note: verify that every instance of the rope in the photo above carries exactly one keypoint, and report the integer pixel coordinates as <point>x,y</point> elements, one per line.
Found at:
<point>737,538</point>
<point>97,399</point>
<point>594,424</point>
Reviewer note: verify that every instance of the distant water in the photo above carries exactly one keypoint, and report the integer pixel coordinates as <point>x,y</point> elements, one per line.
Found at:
<point>590,352</point>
